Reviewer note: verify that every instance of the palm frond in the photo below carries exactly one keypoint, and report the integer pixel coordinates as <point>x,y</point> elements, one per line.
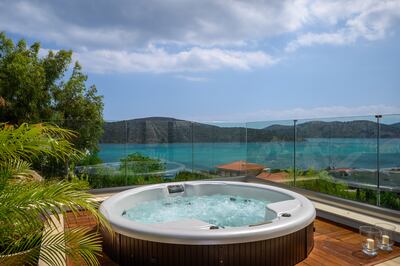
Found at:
<point>79,244</point>
<point>52,247</point>
<point>27,142</point>
<point>24,250</point>
<point>27,208</point>
<point>19,170</point>
<point>29,200</point>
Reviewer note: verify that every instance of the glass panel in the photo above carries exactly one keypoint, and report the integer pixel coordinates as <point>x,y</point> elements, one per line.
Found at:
<point>160,150</point>
<point>389,161</point>
<point>219,149</point>
<point>271,145</point>
<point>107,171</point>
<point>338,157</point>
<point>50,168</point>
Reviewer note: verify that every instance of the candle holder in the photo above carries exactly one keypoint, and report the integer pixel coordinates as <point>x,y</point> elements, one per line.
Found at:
<point>370,236</point>
<point>386,240</point>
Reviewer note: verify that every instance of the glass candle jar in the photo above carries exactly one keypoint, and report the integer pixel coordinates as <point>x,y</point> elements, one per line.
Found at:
<point>370,237</point>
<point>386,240</point>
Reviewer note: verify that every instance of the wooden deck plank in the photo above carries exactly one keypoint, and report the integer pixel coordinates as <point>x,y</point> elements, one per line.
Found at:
<point>340,245</point>
<point>334,245</point>
<point>394,262</point>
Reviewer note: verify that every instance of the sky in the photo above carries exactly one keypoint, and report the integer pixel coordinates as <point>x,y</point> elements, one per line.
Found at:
<point>220,60</point>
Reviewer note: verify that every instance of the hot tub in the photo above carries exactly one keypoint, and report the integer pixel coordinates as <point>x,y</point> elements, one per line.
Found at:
<point>277,228</point>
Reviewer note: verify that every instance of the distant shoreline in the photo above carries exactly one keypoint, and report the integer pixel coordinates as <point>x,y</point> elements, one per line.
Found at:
<point>169,130</point>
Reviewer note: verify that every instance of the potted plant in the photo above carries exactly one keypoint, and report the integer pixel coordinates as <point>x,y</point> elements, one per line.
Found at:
<point>30,206</point>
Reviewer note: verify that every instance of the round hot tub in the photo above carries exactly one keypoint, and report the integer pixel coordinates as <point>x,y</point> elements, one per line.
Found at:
<point>208,223</point>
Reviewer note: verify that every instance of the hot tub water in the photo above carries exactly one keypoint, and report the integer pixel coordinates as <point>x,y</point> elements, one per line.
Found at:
<point>220,210</point>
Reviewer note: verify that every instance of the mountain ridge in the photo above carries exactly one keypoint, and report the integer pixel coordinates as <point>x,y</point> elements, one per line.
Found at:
<point>172,130</point>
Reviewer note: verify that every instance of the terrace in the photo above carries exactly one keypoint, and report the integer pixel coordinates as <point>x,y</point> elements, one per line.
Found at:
<point>335,244</point>
<point>77,189</point>
<point>348,167</point>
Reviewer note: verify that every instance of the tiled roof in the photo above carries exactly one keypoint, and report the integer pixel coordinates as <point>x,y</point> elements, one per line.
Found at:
<point>241,166</point>
<point>277,177</point>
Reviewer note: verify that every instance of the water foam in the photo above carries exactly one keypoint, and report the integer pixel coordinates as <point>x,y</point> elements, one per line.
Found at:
<point>219,210</point>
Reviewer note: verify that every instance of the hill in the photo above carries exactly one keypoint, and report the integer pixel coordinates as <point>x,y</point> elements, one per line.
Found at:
<point>171,130</point>
<point>397,125</point>
<point>338,129</point>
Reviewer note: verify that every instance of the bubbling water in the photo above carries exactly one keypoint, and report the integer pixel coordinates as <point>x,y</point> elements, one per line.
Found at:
<point>220,210</point>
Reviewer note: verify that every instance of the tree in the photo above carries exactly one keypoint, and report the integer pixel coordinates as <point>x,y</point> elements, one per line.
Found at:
<point>79,108</point>
<point>35,88</point>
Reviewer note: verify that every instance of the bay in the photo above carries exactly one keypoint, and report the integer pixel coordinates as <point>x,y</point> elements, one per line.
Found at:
<point>318,153</point>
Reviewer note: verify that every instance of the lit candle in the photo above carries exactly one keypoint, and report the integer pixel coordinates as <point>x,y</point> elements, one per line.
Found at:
<point>370,243</point>
<point>385,239</point>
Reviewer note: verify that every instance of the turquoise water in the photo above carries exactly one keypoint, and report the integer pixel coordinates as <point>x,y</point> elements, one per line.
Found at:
<point>219,210</point>
<point>317,153</point>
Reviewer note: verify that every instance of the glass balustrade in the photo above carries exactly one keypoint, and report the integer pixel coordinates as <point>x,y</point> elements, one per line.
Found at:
<point>356,158</point>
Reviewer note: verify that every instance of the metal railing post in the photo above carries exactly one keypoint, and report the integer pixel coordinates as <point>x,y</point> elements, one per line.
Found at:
<point>192,136</point>
<point>294,150</point>
<point>378,170</point>
<point>125,146</point>
<point>246,144</point>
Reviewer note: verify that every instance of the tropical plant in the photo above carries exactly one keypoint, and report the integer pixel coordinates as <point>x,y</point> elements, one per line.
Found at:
<point>20,146</point>
<point>27,208</point>
<point>30,209</point>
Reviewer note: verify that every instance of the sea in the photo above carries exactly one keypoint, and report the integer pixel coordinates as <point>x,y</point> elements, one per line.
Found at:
<point>317,153</point>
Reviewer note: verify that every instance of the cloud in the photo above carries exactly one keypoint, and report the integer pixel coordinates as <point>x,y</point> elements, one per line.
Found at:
<point>158,60</point>
<point>191,78</point>
<point>121,35</point>
<point>124,24</point>
<point>368,20</point>
<point>306,113</point>
<point>310,39</point>
<point>329,111</point>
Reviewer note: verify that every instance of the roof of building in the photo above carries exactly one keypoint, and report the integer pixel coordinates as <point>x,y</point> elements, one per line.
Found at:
<point>276,177</point>
<point>241,166</point>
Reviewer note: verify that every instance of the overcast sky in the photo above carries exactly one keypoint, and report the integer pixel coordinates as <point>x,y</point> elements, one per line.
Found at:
<point>225,60</point>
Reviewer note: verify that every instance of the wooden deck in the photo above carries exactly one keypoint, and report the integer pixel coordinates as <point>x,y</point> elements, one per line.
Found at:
<point>333,245</point>
<point>338,245</point>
